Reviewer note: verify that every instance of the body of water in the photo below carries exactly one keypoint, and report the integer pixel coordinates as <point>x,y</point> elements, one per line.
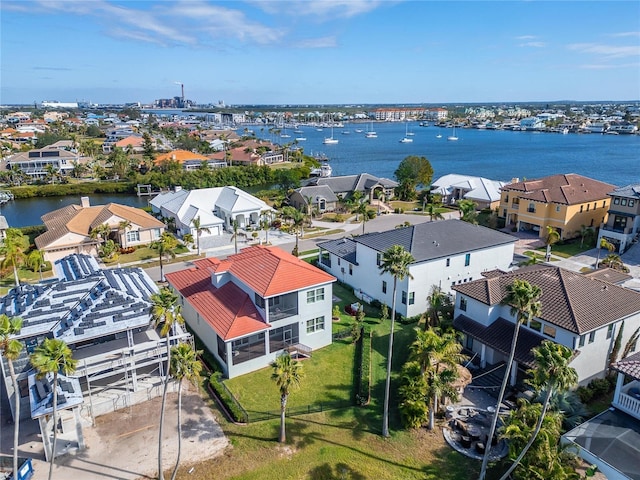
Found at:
<point>27,211</point>
<point>495,154</point>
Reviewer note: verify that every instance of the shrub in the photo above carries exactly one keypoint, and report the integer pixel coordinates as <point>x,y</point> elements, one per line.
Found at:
<point>600,386</point>
<point>230,403</point>
<point>375,303</point>
<point>363,393</point>
<point>127,250</point>
<point>585,394</point>
<point>33,230</point>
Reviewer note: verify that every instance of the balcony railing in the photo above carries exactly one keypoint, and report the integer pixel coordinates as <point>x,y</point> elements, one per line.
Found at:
<point>628,404</point>
<point>277,313</point>
<point>624,231</point>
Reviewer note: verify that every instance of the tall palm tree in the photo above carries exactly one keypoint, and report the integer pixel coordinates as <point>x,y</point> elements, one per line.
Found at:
<point>552,373</point>
<point>440,382</point>
<point>236,233</point>
<point>199,230</point>
<point>11,348</point>
<point>165,313</point>
<point>53,356</point>
<point>524,301</point>
<point>13,251</point>
<point>552,237</point>
<point>184,366</point>
<point>362,209</point>
<point>287,373</point>
<point>35,260</point>
<point>123,226</point>
<point>436,300</point>
<point>395,261</point>
<point>165,246</point>
<point>604,243</point>
<point>265,223</point>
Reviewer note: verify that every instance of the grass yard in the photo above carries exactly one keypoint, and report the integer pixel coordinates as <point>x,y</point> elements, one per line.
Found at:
<point>336,444</point>
<point>568,248</point>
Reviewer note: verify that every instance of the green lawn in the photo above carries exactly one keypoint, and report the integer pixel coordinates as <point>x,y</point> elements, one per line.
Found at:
<point>336,444</point>
<point>568,248</point>
<point>145,253</point>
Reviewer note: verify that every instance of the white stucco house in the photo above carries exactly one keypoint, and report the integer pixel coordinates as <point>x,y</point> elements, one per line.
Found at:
<point>254,305</point>
<point>217,208</point>
<point>454,187</point>
<point>446,253</point>
<point>583,313</point>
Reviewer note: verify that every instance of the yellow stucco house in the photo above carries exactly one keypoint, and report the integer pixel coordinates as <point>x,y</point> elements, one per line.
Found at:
<point>565,202</point>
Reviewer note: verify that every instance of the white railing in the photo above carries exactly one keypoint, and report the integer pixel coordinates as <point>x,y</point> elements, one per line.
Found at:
<point>627,404</point>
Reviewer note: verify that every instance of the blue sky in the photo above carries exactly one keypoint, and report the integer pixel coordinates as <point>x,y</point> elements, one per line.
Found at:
<point>313,51</point>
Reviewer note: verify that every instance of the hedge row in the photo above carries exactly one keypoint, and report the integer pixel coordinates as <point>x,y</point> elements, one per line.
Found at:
<point>59,190</point>
<point>363,395</point>
<point>229,401</point>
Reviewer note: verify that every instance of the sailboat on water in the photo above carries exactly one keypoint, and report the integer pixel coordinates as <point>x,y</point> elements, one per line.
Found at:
<point>371,133</point>
<point>407,138</point>
<point>452,137</point>
<point>330,140</point>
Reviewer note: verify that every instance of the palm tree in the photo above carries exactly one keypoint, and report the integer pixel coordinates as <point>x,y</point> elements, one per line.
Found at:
<point>35,260</point>
<point>614,261</point>
<point>13,251</point>
<point>552,237</point>
<point>604,243</point>
<point>468,211</point>
<point>433,213</point>
<point>11,349</point>
<point>165,312</point>
<point>199,229</point>
<point>395,261</point>
<point>100,233</point>
<point>413,406</point>
<point>236,233</point>
<point>287,373</point>
<point>165,246</point>
<point>362,209</point>
<point>585,232</point>
<point>123,226</point>
<point>436,301</point>
<point>551,374</point>
<point>524,301</point>
<point>53,356</point>
<point>440,384</point>
<point>184,366</point>
<point>265,223</point>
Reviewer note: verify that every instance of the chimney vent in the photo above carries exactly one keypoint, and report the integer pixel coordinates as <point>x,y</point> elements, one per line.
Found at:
<point>84,202</point>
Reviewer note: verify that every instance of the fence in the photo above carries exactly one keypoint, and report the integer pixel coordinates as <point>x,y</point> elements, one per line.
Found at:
<point>301,410</point>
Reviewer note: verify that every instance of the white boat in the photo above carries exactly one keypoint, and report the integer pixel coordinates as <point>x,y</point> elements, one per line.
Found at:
<point>359,130</point>
<point>345,132</point>
<point>438,136</point>
<point>330,140</point>
<point>371,133</point>
<point>285,135</point>
<point>406,138</point>
<point>323,171</point>
<point>301,139</point>
<point>319,129</point>
<point>452,137</point>
<point>298,131</point>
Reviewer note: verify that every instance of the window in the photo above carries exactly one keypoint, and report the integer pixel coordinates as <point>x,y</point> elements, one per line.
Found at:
<point>632,202</point>
<point>557,208</point>
<point>504,212</point>
<point>592,337</point>
<point>350,269</point>
<point>581,208</point>
<point>404,297</point>
<point>532,208</point>
<point>581,341</point>
<point>384,287</point>
<point>549,331</point>
<point>467,259</point>
<point>325,258</point>
<point>316,295</point>
<point>156,233</point>
<point>133,236</point>
<point>463,304</point>
<point>623,202</point>
<point>338,261</point>
<point>448,262</point>
<point>506,199</point>
<point>604,204</point>
<point>609,331</point>
<point>616,201</point>
<point>535,325</point>
<point>588,207</point>
<point>412,298</point>
<point>315,325</point>
<point>595,205</point>
<point>378,259</point>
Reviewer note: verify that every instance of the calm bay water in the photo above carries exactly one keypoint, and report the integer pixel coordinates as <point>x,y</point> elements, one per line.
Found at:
<point>495,154</point>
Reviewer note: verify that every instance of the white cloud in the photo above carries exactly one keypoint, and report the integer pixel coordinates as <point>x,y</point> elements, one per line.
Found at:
<point>526,37</point>
<point>607,51</point>
<point>321,9</point>
<point>533,44</point>
<point>625,34</point>
<point>609,66</point>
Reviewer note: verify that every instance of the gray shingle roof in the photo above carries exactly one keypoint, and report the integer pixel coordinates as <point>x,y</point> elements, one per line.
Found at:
<point>431,240</point>
<point>570,300</point>
<point>630,191</point>
<point>322,191</point>
<point>350,183</point>
<point>344,248</point>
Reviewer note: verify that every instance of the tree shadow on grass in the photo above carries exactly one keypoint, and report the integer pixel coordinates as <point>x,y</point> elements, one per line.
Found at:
<point>447,464</point>
<point>342,471</point>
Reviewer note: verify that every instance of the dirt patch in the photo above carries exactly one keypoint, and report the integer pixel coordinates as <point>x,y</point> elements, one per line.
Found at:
<point>124,444</point>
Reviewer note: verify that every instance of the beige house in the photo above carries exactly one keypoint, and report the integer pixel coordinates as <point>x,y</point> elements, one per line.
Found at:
<point>69,228</point>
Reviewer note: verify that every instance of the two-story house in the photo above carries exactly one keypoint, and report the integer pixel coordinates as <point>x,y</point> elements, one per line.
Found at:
<point>565,202</point>
<point>255,304</point>
<point>610,440</point>
<point>446,253</point>
<point>370,186</point>
<point>583,313</point>
<point>623,224</point>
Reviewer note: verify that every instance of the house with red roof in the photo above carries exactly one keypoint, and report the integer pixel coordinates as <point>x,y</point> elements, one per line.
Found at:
<point>254,305</point>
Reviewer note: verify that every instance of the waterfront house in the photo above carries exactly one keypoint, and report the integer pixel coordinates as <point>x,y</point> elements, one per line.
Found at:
<point>583,313</point>
<point>36,163</point>
<point>189,160</point>
<point>623,224</point>
<point>453,188</point>
<point>566,202</point>
<point>132,143</point>
<point>370,186</point>
<point>255,304</point>
<point>610,440</point>
<point>446,253</point>
<point>69,228</point>
<point>104,316</point>
<point>218,208</point>
<point>320,197</point>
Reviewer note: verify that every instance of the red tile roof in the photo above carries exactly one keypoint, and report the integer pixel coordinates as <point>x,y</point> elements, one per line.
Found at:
<point>568,189</point>
<point>629,366</point>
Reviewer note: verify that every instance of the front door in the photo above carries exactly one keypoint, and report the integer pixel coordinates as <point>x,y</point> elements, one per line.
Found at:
<point>287,334</point>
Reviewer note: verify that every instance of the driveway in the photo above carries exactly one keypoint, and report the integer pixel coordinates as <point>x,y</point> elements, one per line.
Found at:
<point>124,444</point>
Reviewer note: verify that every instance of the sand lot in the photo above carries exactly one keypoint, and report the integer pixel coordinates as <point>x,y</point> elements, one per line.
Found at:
<point>124,444</point>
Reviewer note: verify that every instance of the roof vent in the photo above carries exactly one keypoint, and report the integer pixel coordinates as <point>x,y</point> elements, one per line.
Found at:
<point>606,287</point>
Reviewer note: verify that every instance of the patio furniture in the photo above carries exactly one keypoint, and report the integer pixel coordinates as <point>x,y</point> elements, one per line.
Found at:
<point>465,441</point>
<point>480,447</point>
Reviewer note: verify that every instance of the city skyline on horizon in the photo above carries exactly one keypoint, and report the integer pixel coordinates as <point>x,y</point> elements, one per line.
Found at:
<point>331,52</point>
